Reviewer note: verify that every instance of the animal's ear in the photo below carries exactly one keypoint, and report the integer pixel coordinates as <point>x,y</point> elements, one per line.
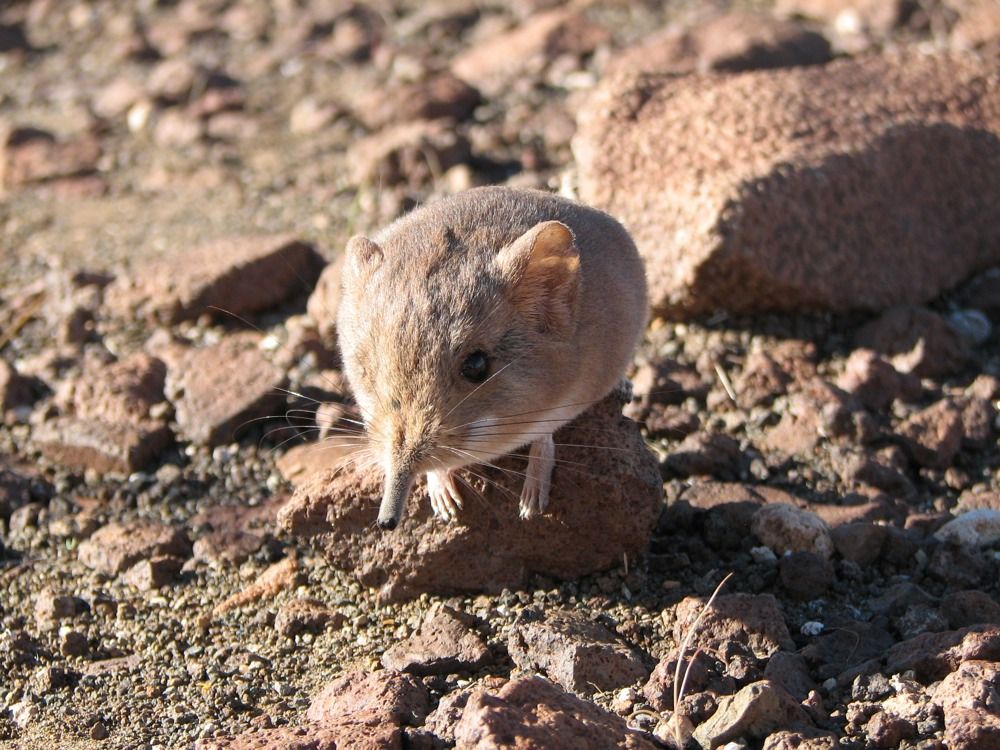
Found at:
<point>542,270</point>
<point>363,255</point>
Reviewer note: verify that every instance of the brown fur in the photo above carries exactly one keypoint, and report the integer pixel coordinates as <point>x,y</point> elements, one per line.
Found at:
<point>553,291</point>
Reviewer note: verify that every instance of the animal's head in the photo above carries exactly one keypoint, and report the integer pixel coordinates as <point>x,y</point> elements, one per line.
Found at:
<point>443,349</point>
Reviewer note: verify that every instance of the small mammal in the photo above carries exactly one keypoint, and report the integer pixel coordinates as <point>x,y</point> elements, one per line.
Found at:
<point>481,323</point>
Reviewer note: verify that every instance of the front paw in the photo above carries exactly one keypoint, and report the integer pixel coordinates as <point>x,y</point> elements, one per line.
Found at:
<point>534,498</point>
<point>446,500</point>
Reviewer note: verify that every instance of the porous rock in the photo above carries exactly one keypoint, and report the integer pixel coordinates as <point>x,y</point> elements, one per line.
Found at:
<point>934,655</point>
<point>445,644</point>
<point>396,697</point>
<point>754,621</point>
<point>581,655</point>
<point>933,436</point>
<point>409,152</point>
<point>363,731</point>
<point>603,505</point>
<point>232,275</point>
<point>968,698</point>
<point>917,341</point>
<point>305,615</point>
<point>830,204</point>
<point>976,528</point>
<point>29,155</point>
<point>534,713</point>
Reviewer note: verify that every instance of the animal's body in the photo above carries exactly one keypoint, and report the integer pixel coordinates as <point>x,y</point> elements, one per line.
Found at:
<point>481,323</point>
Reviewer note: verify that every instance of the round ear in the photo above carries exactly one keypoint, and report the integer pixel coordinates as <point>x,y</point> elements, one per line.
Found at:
<point>363,255</point>
<point>542,268</point>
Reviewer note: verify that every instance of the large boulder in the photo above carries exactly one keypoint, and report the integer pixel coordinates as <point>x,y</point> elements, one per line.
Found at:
<point>605,500</point>
<point>801,189</point>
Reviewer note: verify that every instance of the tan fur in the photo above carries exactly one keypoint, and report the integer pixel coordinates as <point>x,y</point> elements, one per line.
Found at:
<point>553,291</point>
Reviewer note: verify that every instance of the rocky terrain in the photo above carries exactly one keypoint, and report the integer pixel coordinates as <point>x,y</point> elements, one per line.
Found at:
<point>188,557</point>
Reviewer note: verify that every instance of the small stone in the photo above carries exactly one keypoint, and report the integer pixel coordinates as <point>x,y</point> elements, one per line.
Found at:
<point>154,573</point>
<point>280,576</point>
<point>73,643</point>
<point>875,382</point>
<point>756,622</point>
<point>29,155</point>
<point>934,655</point>
<point>785,528</point>
<point>176,129</point>
<point>791,672</point>
<point>755,712</point>
<point>15,389</point>
<point>305,615</point>
<point>408,153</point>
<point>975,528</point>
<point>99,731</point>
<point>440,97</point>
<point>917,340</point>
<point>933,435</point>
<point>805,575</point>
<point>444,644</point>
<point>705,454</point>
<point>860,542</point>
<point>51,607</point>
<point>965,608</point>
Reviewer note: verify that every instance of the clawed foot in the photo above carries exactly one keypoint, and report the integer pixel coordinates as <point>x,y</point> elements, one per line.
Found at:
<point>538,477</point>
<point>446,500</point>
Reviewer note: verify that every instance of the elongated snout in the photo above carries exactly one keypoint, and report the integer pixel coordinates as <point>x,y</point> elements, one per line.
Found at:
<point>397,488</point>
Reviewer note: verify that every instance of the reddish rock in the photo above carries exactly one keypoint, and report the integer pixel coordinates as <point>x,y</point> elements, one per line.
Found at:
<point>801,740</point>
<point>859,542</point>
<point>886,730</point>
<point>234,532</point>
<point>301,462</point>
<point>785,528</point>
<point>30,155</point>
<point>445,644</point>
<point>933,435</point>
<point>712,454</point>
<point>734,41</point>
<point>966,608</point>
<point>121,392</point>
<point>814,213</point>
<point>884,469</point>
<point>579,654</point>
<point>978,419</point>
<point>118,546</point>
<point>761,381</point>
<point>395,697</point>
<point>845,647</point>
<point>359,731</point>
<point>94,444</point>
<point>791,672</point>
<point>276,578</point>
<point>15,491</point>
<point>875,382</point>
<point>410,153</point>
<point>756,622</point>
<point>171,80</point>
<point>176,129</point>
<point>493,64</point>
<point>114,99</point>
<point>439,97</point>
<point>490,547</point>
<point>702,673</point>
<point>934,655</point>
<point>916,340</point>
<point>305,615</point>
<point>968,697</point>
<point>533,713</point>
<point>51,607</point>
<point>153,573</point>
<point>221,388</point>
<point>228,277</point>
<point>817,410</point>
<point>973,500</point>
<point>15,389</point>
<point>755,712</point>
<point>670,422</point>
<point>978,24</point>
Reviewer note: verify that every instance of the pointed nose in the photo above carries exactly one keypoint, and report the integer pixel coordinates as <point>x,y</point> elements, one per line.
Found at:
<point>387,524</point>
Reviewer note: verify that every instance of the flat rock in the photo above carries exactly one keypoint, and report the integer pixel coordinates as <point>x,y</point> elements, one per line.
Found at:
<point>734,41</point>
<point>395,697</point>
<point>603,505</point>
<point>824,195</point>
<point>409,152</point>
<point>965,608</point>
<point>358,732</point>
<point>755,621</point>
<point>785,528</point>
<point>442,96</point>
<point>968,698</point>
<point>116,547</point>
<point>220,388</point>
<point>581,655</point>
<point>534,713</point>
<point>300,462</point>
<point>237,275</point>
<point>445,644</point>
<point>120,392</point>
<point>229,534</point>
<point>305,615</point>
<point>755,711</point>
<point>102,446</point>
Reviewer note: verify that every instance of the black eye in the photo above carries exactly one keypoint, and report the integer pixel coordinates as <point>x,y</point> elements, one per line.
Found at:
<point>476,367</point>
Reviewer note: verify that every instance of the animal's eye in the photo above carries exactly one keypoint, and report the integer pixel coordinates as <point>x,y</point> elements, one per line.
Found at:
<point>476,367</point>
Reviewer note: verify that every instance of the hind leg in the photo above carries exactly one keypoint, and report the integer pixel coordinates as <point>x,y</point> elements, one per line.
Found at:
<point>538,477</point>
